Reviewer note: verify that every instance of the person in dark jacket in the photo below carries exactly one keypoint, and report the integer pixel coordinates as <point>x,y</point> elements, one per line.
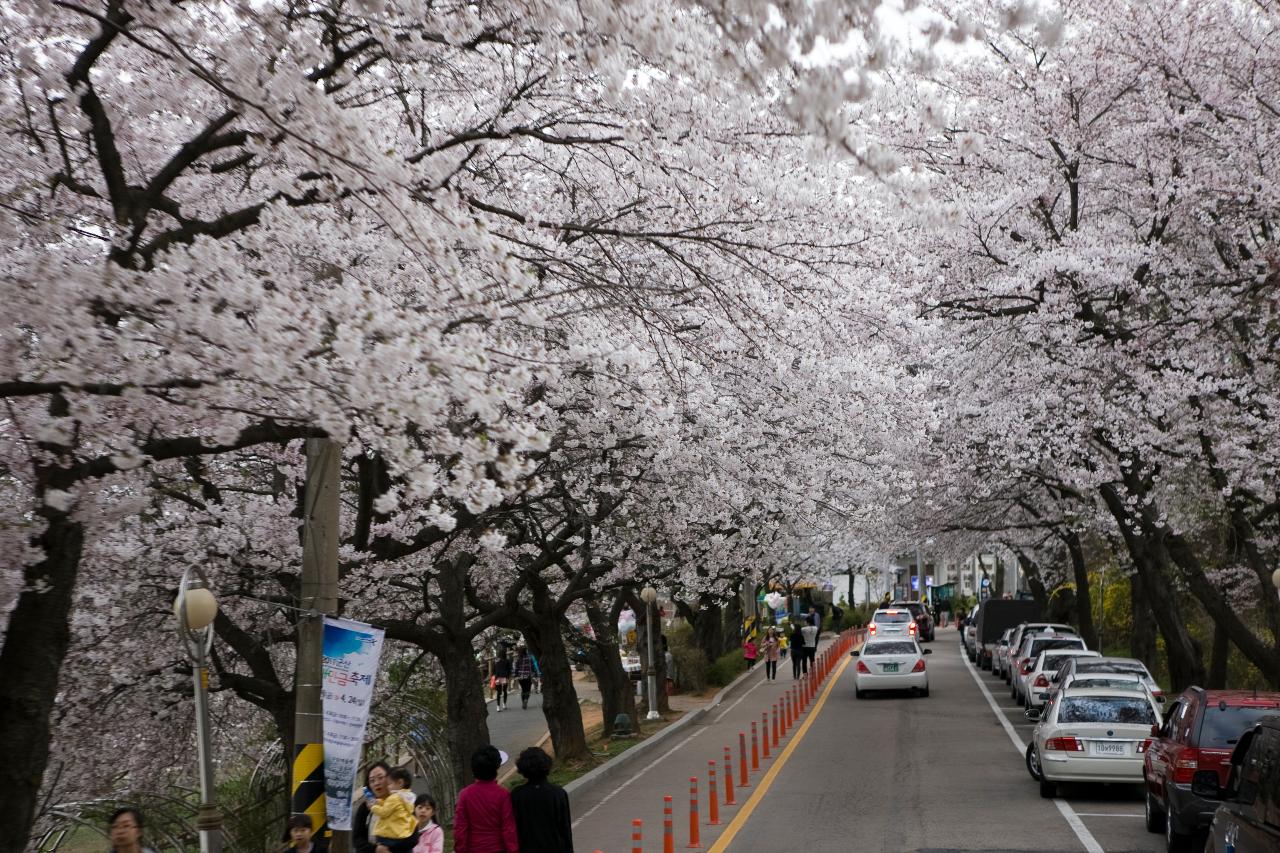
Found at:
<point>502,671</point>
<point>541,808</point>
<point>799,659</point>
<point>377,778</point>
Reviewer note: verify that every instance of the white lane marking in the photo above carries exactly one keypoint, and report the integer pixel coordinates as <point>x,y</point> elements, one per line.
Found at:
<point>1068,814</point>
<point>646,769</point>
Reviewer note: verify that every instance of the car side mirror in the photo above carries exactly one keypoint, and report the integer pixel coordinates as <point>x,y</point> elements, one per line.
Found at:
<point>1032,713</point>
<point>926,651</point>
<point>1205,784</point>
<point>854,653</point>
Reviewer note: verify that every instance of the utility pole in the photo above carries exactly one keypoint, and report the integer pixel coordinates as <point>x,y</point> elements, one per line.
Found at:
<point>319,596</point>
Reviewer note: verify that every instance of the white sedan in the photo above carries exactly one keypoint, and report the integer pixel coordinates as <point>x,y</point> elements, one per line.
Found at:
<point>890,664</point>
<point>1092,734</point>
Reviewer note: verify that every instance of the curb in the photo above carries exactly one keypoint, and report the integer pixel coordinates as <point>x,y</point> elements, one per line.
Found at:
<point>617,765</point>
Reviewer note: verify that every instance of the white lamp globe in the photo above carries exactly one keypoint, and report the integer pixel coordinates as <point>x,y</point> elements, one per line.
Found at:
<point>202,607</point>
<point>649,595</point>
<point>1275,578</point>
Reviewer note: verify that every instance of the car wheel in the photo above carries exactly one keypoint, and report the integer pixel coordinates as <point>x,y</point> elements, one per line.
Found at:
<point>1175,840</point>
<point>925,692</point>
<point>1048,789</point>
<point>1033,762</point>
<point>1154,814</point>
<point>858,694</point>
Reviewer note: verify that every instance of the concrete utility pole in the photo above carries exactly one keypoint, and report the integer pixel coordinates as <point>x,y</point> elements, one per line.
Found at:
<point>319,595</point>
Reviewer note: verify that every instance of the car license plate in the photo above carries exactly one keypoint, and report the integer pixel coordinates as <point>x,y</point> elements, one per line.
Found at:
<point>890,667</point>
<point>1110,748</point>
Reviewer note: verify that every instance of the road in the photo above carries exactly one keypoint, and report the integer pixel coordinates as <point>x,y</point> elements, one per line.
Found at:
<point>898,773</point>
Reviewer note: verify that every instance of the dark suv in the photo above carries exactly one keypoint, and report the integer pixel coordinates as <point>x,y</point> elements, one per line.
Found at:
<point>924,620</point>
<point>1193,748</point>
<point>1248,821</point>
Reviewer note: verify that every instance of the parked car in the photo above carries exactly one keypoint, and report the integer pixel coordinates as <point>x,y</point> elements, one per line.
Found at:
<point>1201,729</point>
<point>1025,658</point>
<point>1000,659</point>
<point>1248,821</point>
<point>892,622</point>
<point>1020,633</point>
<point>1130,680</point>
<point>890,664</point>
<point>924,619</point>
<point>1091,735</point>
<point>1047,664</point>
<point>969,632</point>
<point>1110,664</point>
<point>994,616</point>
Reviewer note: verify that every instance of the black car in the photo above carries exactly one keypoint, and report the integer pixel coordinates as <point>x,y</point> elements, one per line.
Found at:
<point>924,620</point>
<point>1248,821</point>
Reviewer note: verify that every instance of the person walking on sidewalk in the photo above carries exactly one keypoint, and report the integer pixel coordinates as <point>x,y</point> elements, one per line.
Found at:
<point>524,675</point>
<point>750,652</point>
<point>502,677</point>
<point>799,660</point>
<point>810,634</point>
<point>771,655</point>
<point>543,823</point>
<point>483,821</point>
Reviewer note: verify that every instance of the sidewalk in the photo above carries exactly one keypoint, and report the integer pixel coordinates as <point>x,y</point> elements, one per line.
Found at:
<point>603,812</point>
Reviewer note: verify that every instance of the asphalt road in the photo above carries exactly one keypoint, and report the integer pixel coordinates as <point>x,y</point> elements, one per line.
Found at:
<point>900,773</point>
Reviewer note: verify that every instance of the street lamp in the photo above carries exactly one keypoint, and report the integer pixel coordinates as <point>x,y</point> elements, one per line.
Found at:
<point>196,609</point>
<point>649,596</point>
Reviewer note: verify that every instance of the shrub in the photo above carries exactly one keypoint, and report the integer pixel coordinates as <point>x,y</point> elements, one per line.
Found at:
<point>691,663</point>
<point>726,668</point>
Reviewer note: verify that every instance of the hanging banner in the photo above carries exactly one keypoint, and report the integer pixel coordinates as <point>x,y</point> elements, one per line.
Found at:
<point>351,651</point>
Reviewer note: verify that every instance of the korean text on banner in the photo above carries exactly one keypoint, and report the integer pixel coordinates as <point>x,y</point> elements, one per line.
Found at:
<point>351,651</point>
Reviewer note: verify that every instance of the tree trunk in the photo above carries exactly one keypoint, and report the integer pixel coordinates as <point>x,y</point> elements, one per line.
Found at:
<point>708,628</point>
<point>467,726</point>
<point>1031,571</point>
<point>35,646</point>
<point>999,583</point>
<point>1218,660</point>
<point>559,699</point>
<point>1185,665</point>
<point>731,636</point>
<point>1142,635</point>
<point>1084,598</point>
<point>617,691</point>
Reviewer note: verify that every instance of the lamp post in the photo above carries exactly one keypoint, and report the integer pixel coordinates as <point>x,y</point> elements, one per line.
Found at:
<point>196,608</point>
<point>649,596</point>
<point>1275,580</point>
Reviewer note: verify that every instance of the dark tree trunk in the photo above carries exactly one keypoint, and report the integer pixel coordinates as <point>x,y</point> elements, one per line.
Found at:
<point>999,582</point>
<point>35,645</point>
<point>1185,664</point>
<point>617,691</point>
<point>1142,636</point>
<point>732,634</point>
<point>468,725</point>
<point>708,628</point>
<point>559,699</point>
<point>1218,659</point>
<point>1084,598</point>
<point>1032,572</point>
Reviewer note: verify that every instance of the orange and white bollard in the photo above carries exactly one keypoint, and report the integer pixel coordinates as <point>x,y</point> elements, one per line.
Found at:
<point>637,836</point>
<point>742,760</point>
<point>668,827</point>
<point>713,808</point>
<point>764,732</point>
<point>775,725</point>
<point>728,778</point>
<point>755,747</point>
<point>694,840</point>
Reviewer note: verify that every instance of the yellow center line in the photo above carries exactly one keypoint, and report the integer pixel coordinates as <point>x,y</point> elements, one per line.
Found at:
<point>762,787</point>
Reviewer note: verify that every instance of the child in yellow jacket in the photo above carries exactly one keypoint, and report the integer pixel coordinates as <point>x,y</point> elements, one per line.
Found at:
<point>394,812</point>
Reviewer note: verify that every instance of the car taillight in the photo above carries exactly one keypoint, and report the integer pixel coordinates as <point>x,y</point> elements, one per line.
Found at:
<point>1185,767</point>
<point>1026,666</point>
<point>919,667</point>
<point>871,629</point>
<point>862,667</point>
<point>1064,744</point>
<point>1041,681</point>
<point>911,629</point>
<point>1144,746</point>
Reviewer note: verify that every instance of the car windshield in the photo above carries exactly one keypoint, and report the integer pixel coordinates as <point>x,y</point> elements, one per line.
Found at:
<point>1038,646</point>
<point>1112,666</point>
<point>1106,709</point>
<point>1222,727</point>
<point>892,616</point>
<point>1102,681</point>
<point>889,649</point>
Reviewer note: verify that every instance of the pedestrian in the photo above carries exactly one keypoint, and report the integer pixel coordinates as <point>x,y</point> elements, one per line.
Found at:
<point>750,652</point>
<point>799,660</point>
<point>669,666</point>
<point>364,824</point>
<point>815,618</point>
<point>537,674</point>
<point>483,821</point>
<point>541,808</point>
<point>771,653</point>
<point>301,835</point>
<point>430,834</point>
<point>524,675</point>
<point>393,812</point>
<point>124,828</point>
<point>809,636</point>
<point>501,677</point>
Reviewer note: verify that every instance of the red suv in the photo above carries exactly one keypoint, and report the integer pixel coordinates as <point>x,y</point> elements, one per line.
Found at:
<point>1200,729</point>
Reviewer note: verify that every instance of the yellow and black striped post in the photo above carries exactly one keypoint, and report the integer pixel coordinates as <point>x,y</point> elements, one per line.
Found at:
<point>308,784</point>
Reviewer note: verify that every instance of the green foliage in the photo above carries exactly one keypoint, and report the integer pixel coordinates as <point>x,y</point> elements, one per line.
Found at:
<point>691,662</point>
<point>726,668</point>
<point>254,817</point>
<point>856,617</point>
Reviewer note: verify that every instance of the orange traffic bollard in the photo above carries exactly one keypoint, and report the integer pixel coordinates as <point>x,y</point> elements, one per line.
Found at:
<point>742,760</point>
<point>694,842</point>
<point>668,827</point>
<point>728,778</point>
<point>713,812</point>
<point>637,836</point>
<point>755,747</point>
<point>775,725</point>
<point>764,732</point>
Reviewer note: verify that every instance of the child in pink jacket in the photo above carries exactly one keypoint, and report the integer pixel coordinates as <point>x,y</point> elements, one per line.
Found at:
<point>430,833</point>
<point>749,652</point>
